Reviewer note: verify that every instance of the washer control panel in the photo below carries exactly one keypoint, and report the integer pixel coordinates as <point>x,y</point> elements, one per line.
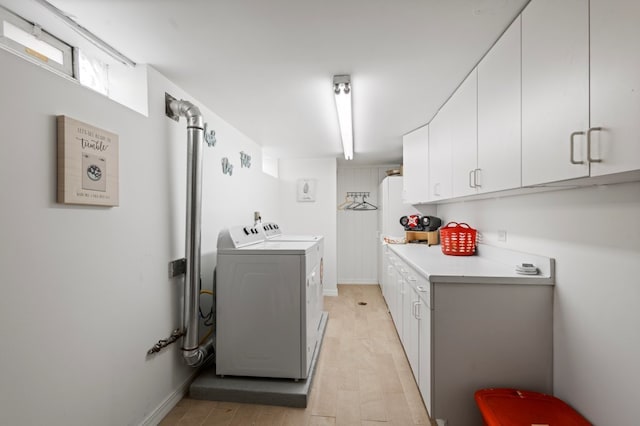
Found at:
<point>240,236</point>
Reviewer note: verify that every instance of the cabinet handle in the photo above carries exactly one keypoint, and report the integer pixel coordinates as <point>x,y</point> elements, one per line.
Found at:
<point>592,160</point>
<point>476,181</point>
<point>572,140</point>
<point>416,309</point>
<point>421,289</point>
<point>412,279</point>
<point>471,172</point>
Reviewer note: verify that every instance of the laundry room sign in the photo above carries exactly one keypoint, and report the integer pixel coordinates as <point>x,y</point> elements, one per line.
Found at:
<point>87,164</point>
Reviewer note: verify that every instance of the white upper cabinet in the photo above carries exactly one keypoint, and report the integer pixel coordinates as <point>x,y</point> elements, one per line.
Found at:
<point>453,143</point>
<point>499,142</point>
<point>555,90</point>
<point>415,158</point>
<point>440,155</point>
<point>463,110</point>
<point>557,98</point>
<point>615,86</point>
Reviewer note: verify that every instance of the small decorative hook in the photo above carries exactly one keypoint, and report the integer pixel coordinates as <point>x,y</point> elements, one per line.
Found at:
<point>209,137</point>
<point>245,160</point>
<point>227,168</point>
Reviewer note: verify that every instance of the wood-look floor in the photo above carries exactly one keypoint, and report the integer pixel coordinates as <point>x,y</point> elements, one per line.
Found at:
<point>363,376</point>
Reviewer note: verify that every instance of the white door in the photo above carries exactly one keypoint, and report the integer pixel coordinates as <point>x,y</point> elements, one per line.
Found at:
<point>615,85</point>
<point>499,142</point>
<point>555,90</point>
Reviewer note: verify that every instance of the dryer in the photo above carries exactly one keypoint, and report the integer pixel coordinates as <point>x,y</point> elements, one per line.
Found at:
<point>273,232</point>
<point>266,319</point>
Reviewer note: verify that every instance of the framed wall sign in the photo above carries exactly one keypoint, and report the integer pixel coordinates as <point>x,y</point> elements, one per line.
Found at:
<point>87,164</point>
<point>306,190</point>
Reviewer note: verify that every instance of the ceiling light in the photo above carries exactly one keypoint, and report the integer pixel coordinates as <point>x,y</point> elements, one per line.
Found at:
<point>342,92</point>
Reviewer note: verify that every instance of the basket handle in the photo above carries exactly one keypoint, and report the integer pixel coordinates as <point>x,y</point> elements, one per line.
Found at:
<point>456,225</point>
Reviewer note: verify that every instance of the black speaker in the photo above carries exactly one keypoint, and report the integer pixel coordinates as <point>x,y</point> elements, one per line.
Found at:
<point>431,223</point>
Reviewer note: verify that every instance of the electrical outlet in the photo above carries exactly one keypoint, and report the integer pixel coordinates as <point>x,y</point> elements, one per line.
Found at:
<point>502,235</point>
<point>479,237</point>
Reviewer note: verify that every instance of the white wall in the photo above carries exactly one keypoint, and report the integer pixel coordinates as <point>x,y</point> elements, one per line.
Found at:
<point>311,218</point>
<point>357,229</point>
<point>594,235</point>
<point>85,291</point>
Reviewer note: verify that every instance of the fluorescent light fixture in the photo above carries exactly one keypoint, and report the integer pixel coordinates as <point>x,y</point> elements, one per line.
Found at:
<point>342,92</point>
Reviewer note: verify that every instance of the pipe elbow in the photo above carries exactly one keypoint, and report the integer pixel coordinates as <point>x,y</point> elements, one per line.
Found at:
<point>189,111</point>
<point>197,357</point>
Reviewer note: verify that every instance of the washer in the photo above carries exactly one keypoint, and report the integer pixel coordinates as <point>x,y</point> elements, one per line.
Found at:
<point>266,319</point>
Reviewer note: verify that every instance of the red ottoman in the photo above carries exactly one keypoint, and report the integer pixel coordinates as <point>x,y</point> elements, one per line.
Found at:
<point>512,407</point>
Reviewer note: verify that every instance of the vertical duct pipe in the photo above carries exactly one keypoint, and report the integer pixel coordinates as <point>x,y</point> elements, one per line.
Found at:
<point>194,354</point>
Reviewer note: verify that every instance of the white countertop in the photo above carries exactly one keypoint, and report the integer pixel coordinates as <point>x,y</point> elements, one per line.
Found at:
<point>489,265</point>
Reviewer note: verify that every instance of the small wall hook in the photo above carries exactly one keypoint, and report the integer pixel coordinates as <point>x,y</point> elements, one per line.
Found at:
<point>245,160</point>
<point>227,168</point>
<point>209,137</point>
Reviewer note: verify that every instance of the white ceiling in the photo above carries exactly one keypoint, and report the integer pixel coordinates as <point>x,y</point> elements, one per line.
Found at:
<point>266,66</point>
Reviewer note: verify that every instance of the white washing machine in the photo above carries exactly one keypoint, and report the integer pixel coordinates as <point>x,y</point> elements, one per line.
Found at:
<point>266,291</point>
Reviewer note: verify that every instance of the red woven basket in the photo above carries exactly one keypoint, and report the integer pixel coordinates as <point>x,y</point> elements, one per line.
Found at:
<point>458,239</point>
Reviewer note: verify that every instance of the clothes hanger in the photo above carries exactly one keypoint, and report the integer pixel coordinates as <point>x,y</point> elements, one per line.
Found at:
<point>363,205</point>
<point>346,201</point>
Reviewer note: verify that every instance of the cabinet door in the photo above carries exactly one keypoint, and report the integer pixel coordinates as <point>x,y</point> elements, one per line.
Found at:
<point>440,156</point>
<point>412,332</point>
<point>415,159</point>
<point>391,285</point>
<point>615,85</point>
<point>555,90</point>
<point>463,120</point>
<point>382,268</point>
<point>499,142</point>
<point>397,308</point>
<point>424,351</point>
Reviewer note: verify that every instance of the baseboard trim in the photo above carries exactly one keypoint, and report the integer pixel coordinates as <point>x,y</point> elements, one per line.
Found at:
<point>359,282</point>
<point>330,292</point>
<point>167,405</point>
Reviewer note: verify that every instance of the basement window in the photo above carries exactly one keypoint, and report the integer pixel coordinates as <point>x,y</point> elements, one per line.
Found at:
<point>78,58</point>
<point>32,42</point>
<point>93,73</point>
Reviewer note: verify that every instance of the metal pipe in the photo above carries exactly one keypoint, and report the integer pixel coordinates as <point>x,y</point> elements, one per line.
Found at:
<point>194,354</point>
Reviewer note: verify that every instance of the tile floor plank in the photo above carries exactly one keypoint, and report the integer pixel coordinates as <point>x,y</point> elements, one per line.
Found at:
<point>322,421</point>
<point>348,408</point>
<point>362,376</point>
<point>222,414</point>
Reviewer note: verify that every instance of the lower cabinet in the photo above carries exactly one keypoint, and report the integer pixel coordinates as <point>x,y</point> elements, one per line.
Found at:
<point>410,326</point>
<point>463,336</point>
<point>424,351</point>
<point>409,305</point>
